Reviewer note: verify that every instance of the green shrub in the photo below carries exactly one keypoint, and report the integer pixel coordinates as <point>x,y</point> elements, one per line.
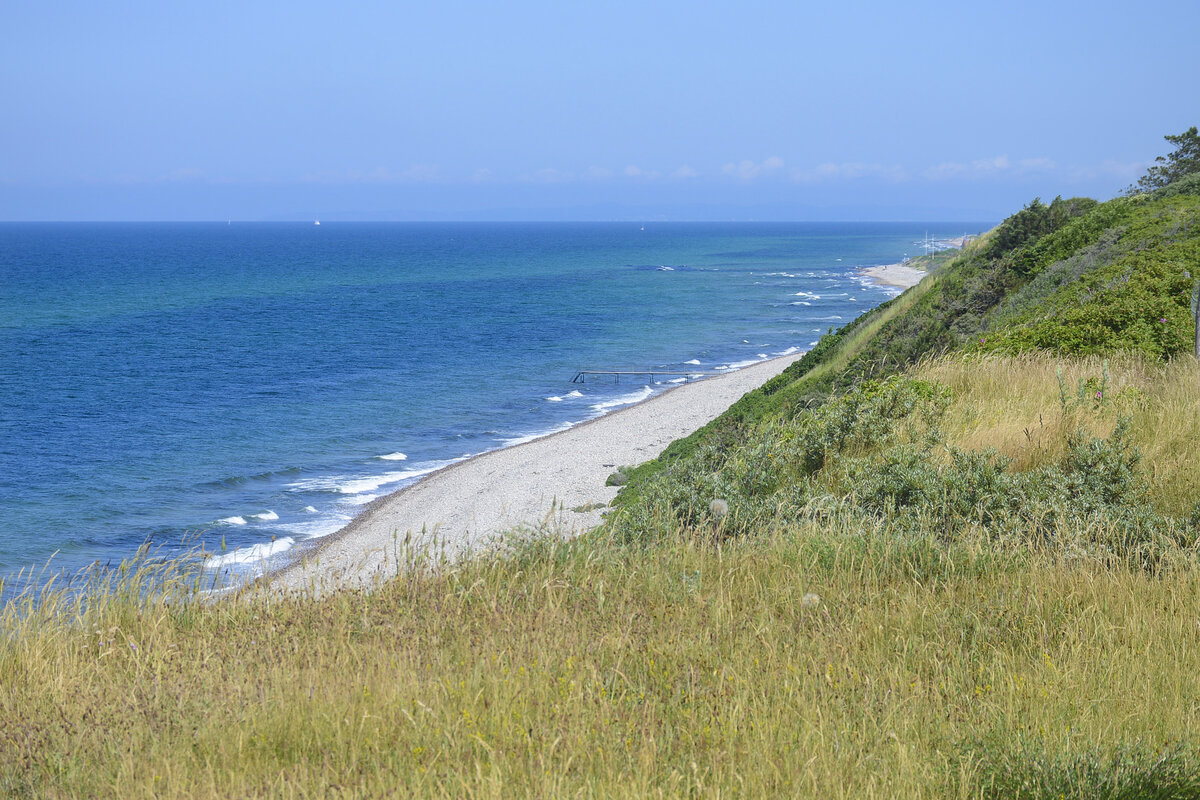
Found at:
<point>1023,771</point>
<point>876,456</point>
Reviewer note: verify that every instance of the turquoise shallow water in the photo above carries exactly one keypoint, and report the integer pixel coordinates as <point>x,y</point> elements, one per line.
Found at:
<point>256,384</point>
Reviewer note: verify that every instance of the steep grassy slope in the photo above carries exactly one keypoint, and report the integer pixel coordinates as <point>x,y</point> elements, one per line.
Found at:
<point>821,658</point>
<point>1073,277</point>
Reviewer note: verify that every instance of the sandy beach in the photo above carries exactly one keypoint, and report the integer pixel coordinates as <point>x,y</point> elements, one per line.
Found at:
<point>465,506</point>
<point>903,275</point>
<point>898,275</point>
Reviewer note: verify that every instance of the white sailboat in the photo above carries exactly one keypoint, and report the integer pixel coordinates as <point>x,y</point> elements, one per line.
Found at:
<point>316,222</point>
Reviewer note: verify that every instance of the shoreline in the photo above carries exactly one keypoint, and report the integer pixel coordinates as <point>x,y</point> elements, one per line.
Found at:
<point>900,276</point>
<point>465,506</point>
<point>903,275</point>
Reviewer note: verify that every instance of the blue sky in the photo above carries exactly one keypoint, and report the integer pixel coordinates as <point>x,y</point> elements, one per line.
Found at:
<point>559,110</point>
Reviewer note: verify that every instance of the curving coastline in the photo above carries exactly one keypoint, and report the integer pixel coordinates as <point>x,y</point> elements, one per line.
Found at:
<point>900,276</point>
<point>466,505</point>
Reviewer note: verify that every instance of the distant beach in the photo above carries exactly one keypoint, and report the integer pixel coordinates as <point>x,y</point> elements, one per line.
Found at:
<point>903,275</point>
<point>900,276</point>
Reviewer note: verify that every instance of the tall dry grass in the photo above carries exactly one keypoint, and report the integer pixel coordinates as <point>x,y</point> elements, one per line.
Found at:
<point>1025,405</point>
<point>588,669</point>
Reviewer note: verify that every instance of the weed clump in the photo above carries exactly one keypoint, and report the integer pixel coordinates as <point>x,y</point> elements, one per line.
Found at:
<point>1026,771</point>
<point>879,454</point>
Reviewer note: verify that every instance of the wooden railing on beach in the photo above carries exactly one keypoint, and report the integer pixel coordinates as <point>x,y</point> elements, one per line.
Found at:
<point>582,375</point>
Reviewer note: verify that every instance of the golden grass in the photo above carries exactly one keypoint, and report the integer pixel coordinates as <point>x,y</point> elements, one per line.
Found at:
<point>589,670</point>
<point>1013,404</point>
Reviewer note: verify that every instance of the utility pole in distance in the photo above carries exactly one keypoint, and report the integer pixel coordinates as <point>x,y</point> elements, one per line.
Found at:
<point>1195,314</point>
<point>1196,318</point>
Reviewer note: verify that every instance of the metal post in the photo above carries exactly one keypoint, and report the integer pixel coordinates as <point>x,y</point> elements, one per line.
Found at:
<point>1195,314</point>
<point>1196,319</point>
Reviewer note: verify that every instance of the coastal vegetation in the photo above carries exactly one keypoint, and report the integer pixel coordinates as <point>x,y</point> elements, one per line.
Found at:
<point>951,552</point>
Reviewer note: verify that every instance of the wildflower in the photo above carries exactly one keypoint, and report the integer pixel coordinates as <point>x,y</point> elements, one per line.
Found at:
<point>1099,395</point>
<point>719,509</point>
<point>810,600</point>
<point>1162,319</point>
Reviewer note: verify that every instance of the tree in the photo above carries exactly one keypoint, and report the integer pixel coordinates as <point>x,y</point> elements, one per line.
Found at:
<point>1184,160</point>
<point>1021,228</point>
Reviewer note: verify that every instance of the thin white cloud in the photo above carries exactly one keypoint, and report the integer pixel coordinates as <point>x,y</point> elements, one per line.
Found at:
<point>685,173</point>
<point>946,169</point>
<point>979,167</point>
<point>851,170</point>
<point>637,173</point>
<point>418,173</point>
<point>548,175</point>
<point>989,164</point>
<point>421,173</point>
<point>747,170</point>
<point>1125,171</point>
<point>597,173</point>
<point>1035,164</point>
<point>181,175</point>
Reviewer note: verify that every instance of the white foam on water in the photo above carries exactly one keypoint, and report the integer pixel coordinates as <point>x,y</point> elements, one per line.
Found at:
<point>800,303</point>
<point>763,355</point>
<point>309,510</point>
<point>361,499</point>
<point>361,485</point>
<point>233,520</point>
<point>343,484</point>
<point>624,400</point>
<point>666,269</point>
<point>318,527</point>
<point>393,457</point>
<point>778,275</point>
<point>677,380</point>
<point>809,295</point>
<point>788,352</point>
<point>553,399</point>
<point>739,364</point>
<point>694,362</point>
<point>529,437</point>
<point>575,393</point>
<point>266,516</point>
<point>813,344</point>
<point>246,555</point>
<point>831,317</point>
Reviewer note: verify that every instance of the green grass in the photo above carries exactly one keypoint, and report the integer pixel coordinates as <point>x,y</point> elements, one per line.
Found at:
<point>594,669</point>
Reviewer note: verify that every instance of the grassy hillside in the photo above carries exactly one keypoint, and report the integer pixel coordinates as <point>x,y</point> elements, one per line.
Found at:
<point>1074,277</point>
<point>951,552</point>
<point>822,658</point>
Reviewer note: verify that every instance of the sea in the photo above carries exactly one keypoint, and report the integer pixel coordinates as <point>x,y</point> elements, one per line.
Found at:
<point>242,388</point>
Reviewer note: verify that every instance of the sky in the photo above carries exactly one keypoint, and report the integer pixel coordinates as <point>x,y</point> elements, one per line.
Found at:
<point>530,110</point>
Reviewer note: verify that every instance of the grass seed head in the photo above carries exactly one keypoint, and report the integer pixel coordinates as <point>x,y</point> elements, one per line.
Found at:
<point>719,509</point>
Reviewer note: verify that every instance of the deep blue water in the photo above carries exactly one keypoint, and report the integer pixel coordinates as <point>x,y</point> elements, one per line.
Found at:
<point>188,383</point>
